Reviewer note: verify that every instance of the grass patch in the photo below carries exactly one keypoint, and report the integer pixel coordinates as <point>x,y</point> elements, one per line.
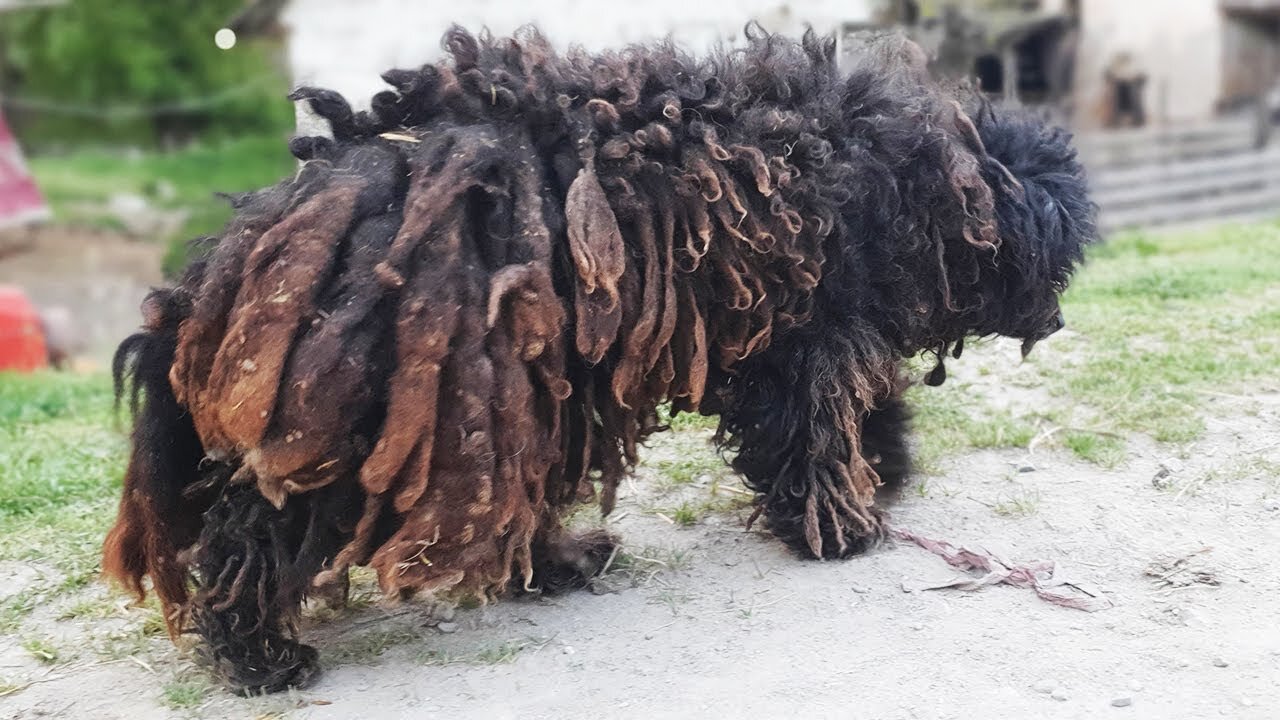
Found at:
<point>686,421</point>
<point>502,653</point>
<point>951,419</point>
<point>1022,503</point>
<point>1158,321</point>
<point>643,565</point>
<point>90,608</point>
<point>1164,318</point>
<point>182,694</point>
<point>61,459</point>
<point>686,515</point>
<point>1104,450</point>
<point>685,470</point>
<point>79,184</point>
<point>366,648</point>
<point>43,649</point>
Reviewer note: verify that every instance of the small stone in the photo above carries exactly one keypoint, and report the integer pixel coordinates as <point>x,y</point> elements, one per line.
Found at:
<point>1026,468</point>
<point>1059,694</point>
<point>1044,687</point>
<point>860,589</point>
<point>568,650</point>
<point>1172,465</point>
<point>1122,702</point>
<point>1272,504</point>
<point>917,627</point>
<point>447,627</point>
<point>1220,662</point>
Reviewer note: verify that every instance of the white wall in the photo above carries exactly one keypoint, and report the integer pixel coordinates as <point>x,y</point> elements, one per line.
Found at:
<point>1177,42</point>
<point>346,44</point>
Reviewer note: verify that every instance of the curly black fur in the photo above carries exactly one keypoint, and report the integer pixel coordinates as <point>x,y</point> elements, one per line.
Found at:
<point>467,307</point>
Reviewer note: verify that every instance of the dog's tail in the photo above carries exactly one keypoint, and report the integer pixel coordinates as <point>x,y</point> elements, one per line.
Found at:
<point>155,520</point>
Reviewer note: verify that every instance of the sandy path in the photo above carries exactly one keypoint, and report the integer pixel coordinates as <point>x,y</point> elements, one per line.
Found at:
<point>739,626</point>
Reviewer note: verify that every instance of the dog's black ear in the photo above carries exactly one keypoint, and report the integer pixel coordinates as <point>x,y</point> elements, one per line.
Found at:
<point>1044,202</point>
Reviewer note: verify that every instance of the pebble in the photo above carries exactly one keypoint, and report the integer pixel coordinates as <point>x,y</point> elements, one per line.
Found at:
<point>1219,662</point>
<point>860,589</point>
<point>447,627</point>
<point>1044,687</point>
<point>917,627</point>
<point>1026,468</point>
<point>568,650</point>
<point>1272,504</point>
<point>1122,702</point>
<point>1059,694</point>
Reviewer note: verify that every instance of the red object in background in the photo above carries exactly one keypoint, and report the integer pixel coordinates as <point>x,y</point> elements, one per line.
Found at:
<point>21,336</point>
<point>20,200</point>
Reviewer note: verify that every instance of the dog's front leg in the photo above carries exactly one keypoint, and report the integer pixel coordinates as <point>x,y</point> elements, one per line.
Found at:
<point>796,414</point>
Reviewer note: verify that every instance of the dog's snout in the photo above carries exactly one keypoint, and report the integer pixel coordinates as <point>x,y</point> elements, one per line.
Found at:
<point>1057,323</point>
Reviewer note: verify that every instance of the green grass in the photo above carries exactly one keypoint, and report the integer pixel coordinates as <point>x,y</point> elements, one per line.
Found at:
<point>1166,318</point>
<point>686,514</point>
<point>181,694</point>
<point>43,649</point>
<point>1159,322</point>
<point>79,184</point>
<point>947,420</point>
<point>61,459</point>
<point>1022,503</point>
<point>686,421</point>
<point>366,648</point>
<point>1105,450</point>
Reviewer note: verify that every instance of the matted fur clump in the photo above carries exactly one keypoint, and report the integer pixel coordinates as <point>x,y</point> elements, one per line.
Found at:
<point>460,318</point>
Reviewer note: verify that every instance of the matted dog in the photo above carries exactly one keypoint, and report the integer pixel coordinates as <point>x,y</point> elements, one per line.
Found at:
<point>468,305</point>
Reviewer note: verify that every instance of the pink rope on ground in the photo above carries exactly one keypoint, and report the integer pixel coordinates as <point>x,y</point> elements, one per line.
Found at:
<point>1040,576</point>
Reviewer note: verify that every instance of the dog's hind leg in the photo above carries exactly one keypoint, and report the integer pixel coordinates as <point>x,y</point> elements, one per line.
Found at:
<point>884,441</point>
<point>796,415</point>
<point>254,565</point>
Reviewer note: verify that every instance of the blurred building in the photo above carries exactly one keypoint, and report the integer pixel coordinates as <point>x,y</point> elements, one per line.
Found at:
<point>346,45</point>
<point>1107,62</point>
<point>1096,62</point>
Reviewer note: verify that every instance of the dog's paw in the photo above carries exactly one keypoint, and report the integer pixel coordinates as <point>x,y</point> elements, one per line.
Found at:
<point>279,665</point>
<point>828,536</point>
<point>567,560</point>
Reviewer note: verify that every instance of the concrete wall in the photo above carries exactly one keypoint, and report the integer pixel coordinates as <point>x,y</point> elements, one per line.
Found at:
<point>1251,57</point>
<point>1179,43</point>
<point>346,44</point>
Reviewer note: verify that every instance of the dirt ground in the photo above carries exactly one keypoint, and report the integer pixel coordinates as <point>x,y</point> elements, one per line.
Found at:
<point>710,620</point>
<point>98,277</point>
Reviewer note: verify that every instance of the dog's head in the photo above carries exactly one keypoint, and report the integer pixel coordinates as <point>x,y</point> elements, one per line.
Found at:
<point>1045,221</point>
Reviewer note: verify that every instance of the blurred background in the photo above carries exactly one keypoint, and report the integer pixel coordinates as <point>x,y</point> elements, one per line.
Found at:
<point>120,119</point>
